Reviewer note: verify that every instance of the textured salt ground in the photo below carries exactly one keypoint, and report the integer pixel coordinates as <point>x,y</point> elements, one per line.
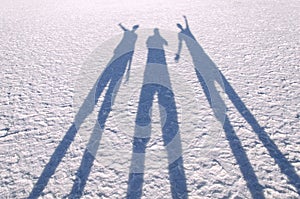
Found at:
<point>44,45</point>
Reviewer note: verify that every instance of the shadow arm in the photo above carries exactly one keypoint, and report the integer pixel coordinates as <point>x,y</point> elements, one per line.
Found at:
<point>165,42</point>
<point>186,22</point>
<point>177,56</point>
<point>123,28</point>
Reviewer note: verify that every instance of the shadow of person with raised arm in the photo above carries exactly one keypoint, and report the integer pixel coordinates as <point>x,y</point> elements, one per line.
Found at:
<point>111,76</point>
<point>157,80</point>
<point>117,67</point>
<point>208,75</point>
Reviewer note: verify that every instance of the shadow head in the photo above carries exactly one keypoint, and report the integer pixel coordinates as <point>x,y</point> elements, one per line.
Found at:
<point>135,27</point>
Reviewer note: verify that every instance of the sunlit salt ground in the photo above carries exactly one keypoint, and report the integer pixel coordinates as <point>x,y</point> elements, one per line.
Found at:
<point>52,53</point>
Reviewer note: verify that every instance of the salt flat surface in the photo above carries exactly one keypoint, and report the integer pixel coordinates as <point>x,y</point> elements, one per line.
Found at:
<point>52,52</point>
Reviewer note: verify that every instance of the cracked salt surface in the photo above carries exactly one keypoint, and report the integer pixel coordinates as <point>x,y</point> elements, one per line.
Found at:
<point>44,45</point>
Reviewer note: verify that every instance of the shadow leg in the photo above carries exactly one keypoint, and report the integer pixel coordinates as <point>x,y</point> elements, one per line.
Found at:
<point>136,176</point>
<point>87,161</point>
<point>93,144</point>
<point>285,166</point>
<point>239,153</point>
<point>141,138</point>
<point>172,142</point>
<point>53,163</point>
<point>103,81</point>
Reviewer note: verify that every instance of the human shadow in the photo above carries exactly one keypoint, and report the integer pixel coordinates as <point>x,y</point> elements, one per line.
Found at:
<point>157,80</point>
<point>208,74</point>
<point>111,76</point>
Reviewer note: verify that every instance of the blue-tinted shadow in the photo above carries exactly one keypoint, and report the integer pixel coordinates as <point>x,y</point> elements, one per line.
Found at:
<point>202,63</point>
<point>157,66</point>
<point>239,153</point>
<point>111,76</point>
<point>118,69</point>
<point>285,166</point>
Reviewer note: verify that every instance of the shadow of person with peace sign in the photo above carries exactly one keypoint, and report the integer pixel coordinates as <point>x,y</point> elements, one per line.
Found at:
<point>208,76</point>
<point>157,81</point>
<point>111,77</point>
